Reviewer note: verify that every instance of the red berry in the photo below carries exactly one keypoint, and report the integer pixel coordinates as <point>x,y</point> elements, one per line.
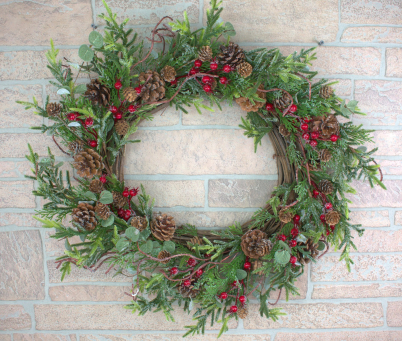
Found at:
<point>328,206</point>
<point>117,116</point>
<point>102,179</point>
<point>296,218</point>
<point>187,283</point>
<point>293,260</point>
<point>113,109</point>
<point>127,213</point>
<point>191,262</point>
<point>322,218</point>
<point>93,143</point>
<point>294,232</point>
<point>213,65</point>
<point>118,85</point>
<point>138,89</point>
<point>173,82</point>
<point>132,108</point>
<point>125,192</point>
<point>313,143</point>
<point>304,126</point>
<point>315,135</point>
<point>89,122</point>
<point>334,138</point>
<point>234,284</point>
<point>174,271</point>
<point>120,212</point>
<point>227,68</point>
<point>315,193</point>
<point>199,272</point>
<point>306,136</point>
<point>328,232</point>
<point>332,227</point>
<point>207,88</point>
<point>242,299</point>
<point>282,237</point>
<point>223,295</point>
<point>206,79</point>
<point>247,266</point>
<point>198,63</point>
<point>269,106</point>
<point>307,120</point>
<point>133,192</point>
<point>233,309</point>
<point>72,116</point>
<point>293,108</point>
<point>292,243</point>
<point>193,71</point>
<point>223,80</point>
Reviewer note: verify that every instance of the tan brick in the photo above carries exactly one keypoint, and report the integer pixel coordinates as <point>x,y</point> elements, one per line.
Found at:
<point>251,16</point>
<point>239,193</point>
<point>394,60</point>
<point>18,219</point>
<point>173,337</point>
<point>385,141</point>
<point>17,194</point>
<point>14,317</point>
<point>365,268</point>
<point>342,336</point>
<point>302,285</point>
<point>168,117</point>
<point>56,247</point>
<point>198,152</point>
<point>369,12</point>
<point>357,291</point>
<point>380,101</point>
<point>370,218</point>
<point>367,34</point>
<point>95,293</point>
<point>15,169</point>
<point>394,316</point>
<point>173,193</point>
<point>320,315</point>
<point>5,337</point>
<point>379,241</point>
<point>391,167</point>
<point>20,252</point>
<point>103,317</point>
<point>398,218</point>
<point>150,11</point>
<point>44,337</point>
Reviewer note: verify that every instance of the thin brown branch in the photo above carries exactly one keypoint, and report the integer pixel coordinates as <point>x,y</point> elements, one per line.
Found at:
<point>54,140</point>
<point>279,295</point>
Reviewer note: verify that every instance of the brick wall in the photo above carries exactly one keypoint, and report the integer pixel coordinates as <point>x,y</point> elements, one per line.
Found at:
<point>204,172</point>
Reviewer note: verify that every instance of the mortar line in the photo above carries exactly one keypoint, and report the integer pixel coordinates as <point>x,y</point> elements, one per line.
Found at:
<point>383,65</point>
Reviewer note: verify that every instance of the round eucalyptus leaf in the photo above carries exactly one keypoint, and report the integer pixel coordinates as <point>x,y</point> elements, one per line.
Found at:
<point>321,246</point>
<point>85,53</point>
<point>96,39</point>
<point>282,257</point>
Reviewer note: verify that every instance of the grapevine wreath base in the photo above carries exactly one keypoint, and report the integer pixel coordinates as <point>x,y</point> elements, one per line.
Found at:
<point>220,271</point>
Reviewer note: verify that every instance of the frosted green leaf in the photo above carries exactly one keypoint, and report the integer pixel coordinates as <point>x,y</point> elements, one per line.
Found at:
<point>85,53</point>
<point>96,39</point>
<point>282,257</point>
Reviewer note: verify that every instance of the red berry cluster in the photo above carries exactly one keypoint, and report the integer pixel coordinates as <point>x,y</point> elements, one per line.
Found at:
<point>87,123</point>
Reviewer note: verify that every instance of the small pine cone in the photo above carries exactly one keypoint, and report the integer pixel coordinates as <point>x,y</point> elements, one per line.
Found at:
<point>84,215</point>
<point>246,105</point>
<point>242,312</point>
<point>244,69</point>
<point>205,54</point>
<point>88,163</point>
<point>324,155</point>
<point>140,223</point>
<point>285,216</point>
<point>122,127</point>
<point>194,241</point>
<point>310,247</point>
<point>119,200</point>
<point>213,84</point>
<point>97,93</point>
<point>96,186</point>
<point>231,55</point>
<point>332,217</point>
<point>326,91</point>
<point>188,292</point>
<point>326,126</point>
<point>130,94</point>
<point>314,167</point>
<point>256,265</point>
<point>168,73</point>
<point>163,227</point>
<point>283,131</point>
<point>255,244</point>
<point>103,210</point>
<point>76,146</point>
<point>283,102</point>
<point>153,88</point>
<point>164,254</point>
<point>326,187</point>
<point>53,109</point>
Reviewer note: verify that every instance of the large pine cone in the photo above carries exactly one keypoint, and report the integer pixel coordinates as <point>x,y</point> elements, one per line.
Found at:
<point>119,200</point>
<point>53,109</point>
<point>256,265</point>
<point>283,131</point>
<point>130,94</point>
<point>88,163</point>
<point>283,102</point>
<point>326,91</point>
<point>326,126</point>
<point>244,69</point>
<point>168,73</point>
<point>188,292</point>
<point>96,186</point>
<point>231,55</point>
<point>98,93</point>
<point>324,155</point>
<point>84,215</point>
<point>76,146</point>
<point>163,227</point>
<point>309,246</point>
<point>140,223</point>
<point>285,216</point>
<point>326,187</point>
<point>242,312</point>
<point>103,210</point>
<point>246,105</point>
<point>122,127</point>
<point>164,254</point>
<point>255,244</point>
<point>154,89</point>
<point>205,54</point>
<point>332,217</point>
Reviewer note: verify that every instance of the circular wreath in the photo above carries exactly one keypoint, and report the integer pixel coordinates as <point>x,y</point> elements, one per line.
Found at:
<point>220,271</point>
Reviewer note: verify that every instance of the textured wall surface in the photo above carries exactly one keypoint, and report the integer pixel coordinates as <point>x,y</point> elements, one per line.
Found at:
<point>203,170</point>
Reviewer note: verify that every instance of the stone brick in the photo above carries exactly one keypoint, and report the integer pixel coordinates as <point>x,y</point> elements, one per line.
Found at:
<point>319,315</point>
<point>44,337</point>
<point>104,317</point>
<point>380,101</point>
<point>150,11</point>
<point>357,291</point>
<point>13,114</point>
<point>14,317</point>
<point>198,152</point>
<point>20,252</point>
<point>251,16</point>
<point>173,193</point>
<point>371,12</point>
<point>17,194</point>
<point>18,219</point>
<point>95,293</point>
<point>239,193</point>
<point>385,141</point>
<point>55,247</point>
<point>394,316</point>
<point>14,169</point>
<point>398,218</point>
<point>173,337</point>
<point>365,268</point>
<point>394,60</point>
<point>368,34</point>
<point>370,218</point>
<point>342,336</point>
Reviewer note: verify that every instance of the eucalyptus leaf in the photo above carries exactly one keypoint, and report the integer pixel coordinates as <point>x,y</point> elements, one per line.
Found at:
<point>74,124</point>
<point>229,30</point>
<point>133,234</point>
<point>67,245</point>
<point>90,195</point>
<point>147,247</point>
<point>63,91</point>
<point>122,244</point>
<point>321,246</point>
<point>145,234</point>
<point>282,257</point>
<point>169,246</point>
<point>363,149</point>
<point>96,39</point>
<point>284,245</point>
<point>352,104</point>
<point>241,274</point>
<point>109,221</point>
<point>106,197</point>
<point>80,89</point>
<point>85,53</point>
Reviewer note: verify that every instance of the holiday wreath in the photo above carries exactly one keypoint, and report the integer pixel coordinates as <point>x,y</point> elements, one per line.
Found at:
<point>220,271</point>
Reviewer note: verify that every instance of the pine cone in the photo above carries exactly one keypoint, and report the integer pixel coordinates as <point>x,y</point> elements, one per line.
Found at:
<point>256,265</point>
<point>246,105</point>
<point>231,55</point>
<point>205,54</point>
<point>163,227</point>
<point>283,131</point>
<point>103,210</point>
<point>244,69</point>
<point>332,217</point>
<point>314,167</point>
<point>188,292</point>
<point>140,223</point>
<point>326,187</point>
<point>164,254</point>
<point>118,200</point>
<point>326,126</point>
<point>121,127</point>
<point>98,93</point>
<point>130,94</point>
<point>154,88</point>
<point>255,244</point>
<point>326,91</point>
<point>309,246</point>
<point>194,241</point>
<point>242,312</point>
<point>96,186</point>
<point>88,163</point>
<point>213,84</point>
<point>84,215</point>
<point>283,102</point>
<point>168,73</point>
<point>324,155</point>
<point>285,216</point>
<point>76,146</point>
<point>53,109</point>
